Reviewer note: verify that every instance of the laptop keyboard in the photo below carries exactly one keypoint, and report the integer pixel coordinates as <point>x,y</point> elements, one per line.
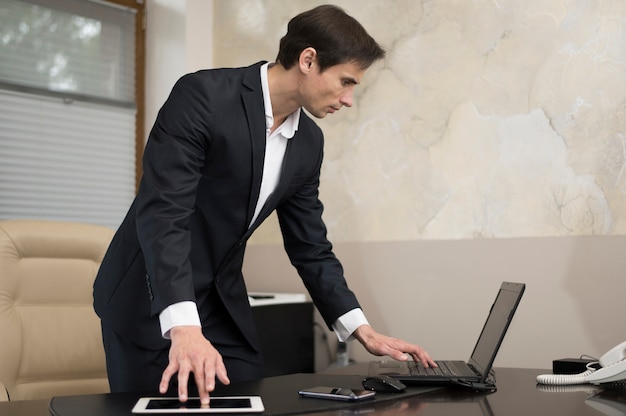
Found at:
<point>417,369</point>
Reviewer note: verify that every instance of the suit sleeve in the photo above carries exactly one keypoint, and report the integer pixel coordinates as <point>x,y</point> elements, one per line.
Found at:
<point>172,160</point>
<point>304,236</point>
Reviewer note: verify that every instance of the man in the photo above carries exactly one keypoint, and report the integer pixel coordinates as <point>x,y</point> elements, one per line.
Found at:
<point>228,147</point>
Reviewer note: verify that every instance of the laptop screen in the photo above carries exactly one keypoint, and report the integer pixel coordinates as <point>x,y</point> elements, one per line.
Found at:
<point>497,323</point>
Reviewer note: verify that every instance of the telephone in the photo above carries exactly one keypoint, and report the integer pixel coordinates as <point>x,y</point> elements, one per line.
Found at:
<point>612,369</point>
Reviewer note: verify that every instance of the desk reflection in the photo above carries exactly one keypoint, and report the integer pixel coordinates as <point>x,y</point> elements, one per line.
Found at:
<point>609,401</point>
<point>418,405</point>
<point>400,408</point>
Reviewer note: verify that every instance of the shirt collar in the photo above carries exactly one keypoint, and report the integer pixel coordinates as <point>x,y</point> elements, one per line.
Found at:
<point>290,126</point>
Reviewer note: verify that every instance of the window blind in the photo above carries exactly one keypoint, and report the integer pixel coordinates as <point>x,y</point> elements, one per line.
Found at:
<point>65,161</point>
<point>67,110</point>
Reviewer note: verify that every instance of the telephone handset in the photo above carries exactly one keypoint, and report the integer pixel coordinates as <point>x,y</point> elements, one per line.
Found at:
<point>613,368</point>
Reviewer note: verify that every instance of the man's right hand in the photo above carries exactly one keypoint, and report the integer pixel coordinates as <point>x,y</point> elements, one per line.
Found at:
<point>191,352</point>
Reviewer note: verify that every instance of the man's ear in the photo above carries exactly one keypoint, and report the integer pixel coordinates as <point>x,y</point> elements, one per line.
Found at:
<point>307,59</point>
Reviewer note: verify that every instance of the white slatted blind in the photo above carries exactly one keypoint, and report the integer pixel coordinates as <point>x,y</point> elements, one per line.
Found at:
<point>67,111</point>
<point>71,162</point>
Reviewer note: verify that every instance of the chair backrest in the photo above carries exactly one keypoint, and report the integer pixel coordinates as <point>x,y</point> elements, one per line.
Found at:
<point>50,337</point>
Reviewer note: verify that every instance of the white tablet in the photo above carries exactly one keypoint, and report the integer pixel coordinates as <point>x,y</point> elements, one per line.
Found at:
<point>233,404</point>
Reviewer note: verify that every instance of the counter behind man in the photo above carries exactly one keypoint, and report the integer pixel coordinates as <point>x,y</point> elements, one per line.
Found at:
<point>228,147</point>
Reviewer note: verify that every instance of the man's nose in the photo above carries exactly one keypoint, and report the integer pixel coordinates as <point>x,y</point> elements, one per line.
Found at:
<point>346,99</point>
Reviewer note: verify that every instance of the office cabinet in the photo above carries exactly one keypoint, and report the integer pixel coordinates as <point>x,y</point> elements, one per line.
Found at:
<point>285,327</point>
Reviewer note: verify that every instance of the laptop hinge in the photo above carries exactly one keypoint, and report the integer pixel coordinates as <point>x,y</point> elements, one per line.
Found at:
<point>487,385</point>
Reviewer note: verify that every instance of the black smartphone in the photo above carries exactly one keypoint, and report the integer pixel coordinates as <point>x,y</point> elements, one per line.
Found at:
<point>337,393</point>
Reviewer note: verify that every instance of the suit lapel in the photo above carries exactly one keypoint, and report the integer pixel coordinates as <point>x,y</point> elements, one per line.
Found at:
<point>252,97</point>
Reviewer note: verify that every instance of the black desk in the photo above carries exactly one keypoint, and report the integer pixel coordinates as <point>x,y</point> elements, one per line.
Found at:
<point>517,395</point>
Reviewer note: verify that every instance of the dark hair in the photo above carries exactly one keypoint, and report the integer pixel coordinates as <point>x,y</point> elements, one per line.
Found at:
<point>337,37</point>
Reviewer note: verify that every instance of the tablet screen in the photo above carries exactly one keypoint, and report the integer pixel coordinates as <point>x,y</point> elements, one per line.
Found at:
<point>216,403</point>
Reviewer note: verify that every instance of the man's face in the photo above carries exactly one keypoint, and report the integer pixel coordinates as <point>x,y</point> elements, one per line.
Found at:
<point>326,92</point>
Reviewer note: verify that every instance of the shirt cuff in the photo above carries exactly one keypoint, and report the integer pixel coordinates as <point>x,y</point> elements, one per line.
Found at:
<point>179,314</point>
<point>347,323</point>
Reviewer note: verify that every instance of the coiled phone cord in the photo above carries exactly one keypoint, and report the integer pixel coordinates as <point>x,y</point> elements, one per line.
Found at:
<point>566,379</point>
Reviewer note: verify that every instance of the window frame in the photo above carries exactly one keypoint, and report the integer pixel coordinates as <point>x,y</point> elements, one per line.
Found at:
<point>131,127</point>
<point>140,63</point>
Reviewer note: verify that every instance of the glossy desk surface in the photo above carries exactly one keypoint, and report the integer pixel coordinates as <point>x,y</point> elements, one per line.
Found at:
<point>517,394</point>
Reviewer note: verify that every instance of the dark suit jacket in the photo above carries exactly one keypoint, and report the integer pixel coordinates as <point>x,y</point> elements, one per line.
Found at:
<point>186,231</point>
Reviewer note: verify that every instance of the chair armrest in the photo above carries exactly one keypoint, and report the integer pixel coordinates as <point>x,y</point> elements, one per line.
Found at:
<point>4,394</point>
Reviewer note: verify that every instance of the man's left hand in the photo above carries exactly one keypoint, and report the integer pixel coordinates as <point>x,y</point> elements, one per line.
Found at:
<point>378,344</point>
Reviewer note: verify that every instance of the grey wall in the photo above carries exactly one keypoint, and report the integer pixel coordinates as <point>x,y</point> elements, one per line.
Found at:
<point>573,303</point>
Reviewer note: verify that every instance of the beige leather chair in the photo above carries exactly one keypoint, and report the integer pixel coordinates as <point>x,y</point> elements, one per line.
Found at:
<point>50,338</point>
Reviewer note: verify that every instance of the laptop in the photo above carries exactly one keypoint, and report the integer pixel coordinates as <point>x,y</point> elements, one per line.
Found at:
<point>473,373</point>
